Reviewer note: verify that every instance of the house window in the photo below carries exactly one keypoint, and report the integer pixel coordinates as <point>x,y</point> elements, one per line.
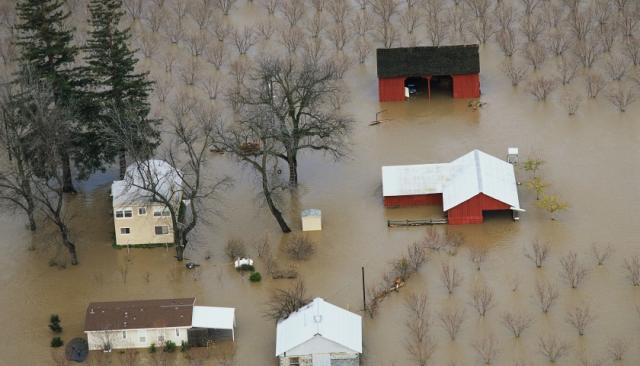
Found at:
<point>125,230</point>
<point>127,212</point>
<point>143,339</point>
<point>294,361</point>
<point>142,211</point>
<point>161,212</point>
<point>162,230</point>
<point>119,214</point>
<point>177,332</point>
<point>124,334</point>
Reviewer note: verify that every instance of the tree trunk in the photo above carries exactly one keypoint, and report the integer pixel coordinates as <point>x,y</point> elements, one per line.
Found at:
<point>68,243</point>
<point>32,220</point>
<point>274,210</point>
<point>180,251</point>
<point>122,156</point>
<point>67,181</point>
<point>293,171</point>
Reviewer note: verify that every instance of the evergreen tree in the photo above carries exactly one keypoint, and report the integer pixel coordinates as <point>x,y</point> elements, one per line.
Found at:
<point>117,90</point>
<point>44,40</point>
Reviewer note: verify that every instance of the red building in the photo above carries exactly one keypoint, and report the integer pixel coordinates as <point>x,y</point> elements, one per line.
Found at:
<point>466,187</point>
<point>452,68</point>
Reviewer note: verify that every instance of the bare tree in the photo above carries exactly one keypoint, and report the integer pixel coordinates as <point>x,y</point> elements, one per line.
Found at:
<point>339,35</point>
<point>580,318</point>
<point>451,319</point>
<point>299,247</point>
<point>507,41</point>
<point>553,348</point>
<point>632,265</point>
<point>505,16</point>
<point>283,302</point>
<point>594,83</point>
<point>224,5</point>
<point>629,20</point>
<point>148,44</point>
<point>538,252</point>
<point>416,256</point>
<point>477,256</point>
<point>189,72</point>
<point>587,51</point>
<point>197,43</point>
<point>540,87</point>
<point>632,50</point>
<point>532,27</point>
<point>155,18</point>
<point>339,10</point>
<point>616,348</point>
<point>420,344</point>
<point>221,28</point>
<point>363,49</point>
<point>487,349</point>
<point>211,85</point>
<point>607,37</point>
<point>450,277</point>
<point>482,299</point>
<point>134,8</point>
<point>180,9</point>
<point>571,101</point>
<point>546,294</point>
<point>553,14</point>
<point>191,135</point>
<point>174,30</point>
<point>244,39</point>
<point>616,67</point>
<point>558,42</point>
<point>573,271</point>
<point>385,10</point>
<point>482,28</point>
<point>361,24</point>
<point>215,53</point>
<point>535,54</point>
<point>621,97</point>
<point>292,11</point>
<point>266,29</point>
<point>601,254</point>
<point>202,13</point>
<point>271,6</point>
<point>514,71</point>
<point>516,323</point>
<point>163,88</point>
<point>567,66</point>
<point>581,22</point>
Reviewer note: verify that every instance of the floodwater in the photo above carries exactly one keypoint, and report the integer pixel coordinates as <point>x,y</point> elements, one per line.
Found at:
<point>591,162</point>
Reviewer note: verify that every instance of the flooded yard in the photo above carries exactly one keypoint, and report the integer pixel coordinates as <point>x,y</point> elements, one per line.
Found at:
<point>591,161</point>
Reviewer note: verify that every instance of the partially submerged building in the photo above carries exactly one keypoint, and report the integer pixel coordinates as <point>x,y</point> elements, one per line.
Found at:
<point>466,187</point>
<point>139,218</point>
<point>454,68</point>
<point>319,334</point>
<point>141,323</point>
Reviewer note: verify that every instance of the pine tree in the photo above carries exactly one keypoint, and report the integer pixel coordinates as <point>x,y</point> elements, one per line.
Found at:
<point>119,92</point>
<point>44,40</point>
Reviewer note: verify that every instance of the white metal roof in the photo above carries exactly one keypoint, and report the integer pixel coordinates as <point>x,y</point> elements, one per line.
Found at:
<point>319,318</point>
<point>149,173</point>
<point>473,173</point>
<point>211,317</point>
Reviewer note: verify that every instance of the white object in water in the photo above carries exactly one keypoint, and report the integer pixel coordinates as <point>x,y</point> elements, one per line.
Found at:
<point>242,262</point>
<point>311,220</point>
<point>512,155</point>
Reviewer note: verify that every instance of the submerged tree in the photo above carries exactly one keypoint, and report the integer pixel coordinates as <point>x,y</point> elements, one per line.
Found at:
<point>115,84</point>
<point>299,96</point>
<point>45,50</point>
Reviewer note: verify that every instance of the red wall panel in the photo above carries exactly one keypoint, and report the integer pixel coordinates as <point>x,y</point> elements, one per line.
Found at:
<point>415,200</point>
<point>466,86</point>
<point>391,89</point>
<point>470,211</point>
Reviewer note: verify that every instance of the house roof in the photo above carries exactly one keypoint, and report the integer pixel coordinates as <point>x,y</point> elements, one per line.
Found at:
<point>149,173</point>
<point>139,314</point>
<point>422,61</point>
<point>319,318</point>
<point>213,317</point>
<point>465,177</point>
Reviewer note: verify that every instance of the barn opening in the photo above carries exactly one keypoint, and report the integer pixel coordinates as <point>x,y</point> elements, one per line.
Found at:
<point>417,86</point>
<point>442,85</point>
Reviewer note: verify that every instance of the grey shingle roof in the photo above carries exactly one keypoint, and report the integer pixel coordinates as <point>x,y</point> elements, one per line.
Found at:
<point>422,61</point>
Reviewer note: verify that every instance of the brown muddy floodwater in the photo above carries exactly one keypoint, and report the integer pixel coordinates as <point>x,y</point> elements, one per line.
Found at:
<point>591,162</point>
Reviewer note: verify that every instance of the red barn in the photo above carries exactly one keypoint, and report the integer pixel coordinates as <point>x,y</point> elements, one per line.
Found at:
<point>455,68</point>
<point>466,187</point>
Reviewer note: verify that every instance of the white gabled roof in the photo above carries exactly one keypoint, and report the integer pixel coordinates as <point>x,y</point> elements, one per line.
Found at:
<point>473,173</point>
<point>211,317</point>
<point>151,172</point>
<point>319,318</point>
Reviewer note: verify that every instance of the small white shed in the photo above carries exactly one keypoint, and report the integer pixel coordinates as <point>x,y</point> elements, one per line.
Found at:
<point>311,220</point>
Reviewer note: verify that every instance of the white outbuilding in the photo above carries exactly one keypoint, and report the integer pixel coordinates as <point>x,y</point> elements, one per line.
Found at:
<point>311,220</point>
<point>319,334</point>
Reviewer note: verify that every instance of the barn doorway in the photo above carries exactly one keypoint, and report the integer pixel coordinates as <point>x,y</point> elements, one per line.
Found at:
<point>417,86</point>
<point>442,85</point>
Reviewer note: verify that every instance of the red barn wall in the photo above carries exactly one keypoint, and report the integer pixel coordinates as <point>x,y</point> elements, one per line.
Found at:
<point>466,86</point>
<point>391,89</point>
<point>470,211</point>
<point>414,200</point>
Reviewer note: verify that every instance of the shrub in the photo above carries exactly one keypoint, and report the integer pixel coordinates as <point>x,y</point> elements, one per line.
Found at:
<point>255,277</point>
<point>56,342</point>
<point>169,346</point>
<point>152,348</point>
<point>54,323</point>
<point>299,247</point>
<point>184,346</point>
<point>235,249</point>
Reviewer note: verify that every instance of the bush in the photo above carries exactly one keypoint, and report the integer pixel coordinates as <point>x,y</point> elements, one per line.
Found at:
<point>299,247</point>
<point>152,348</point>
<point>246,267</point>
<point>235,249</point>
<point>56,342</point>
<point>54,323</point>
<point>255,277</point>
<point>184,346</point>
<point>169,346</point>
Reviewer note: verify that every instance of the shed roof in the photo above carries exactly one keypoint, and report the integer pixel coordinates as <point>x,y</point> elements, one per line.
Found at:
<point>149,173</point>
<point>211,317</point>
<point>139,314</point>
<point>422,61</point>
<point>465,177</point>
<point>319,318</point>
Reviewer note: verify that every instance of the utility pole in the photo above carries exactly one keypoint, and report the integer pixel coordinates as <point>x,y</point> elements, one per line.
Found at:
<point>364,299</point>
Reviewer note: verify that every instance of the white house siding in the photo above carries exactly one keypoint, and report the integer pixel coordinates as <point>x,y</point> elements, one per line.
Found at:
<point>318,344</point>
<point>142,227</point>
<point>337,359</point>
<point>136,338</point>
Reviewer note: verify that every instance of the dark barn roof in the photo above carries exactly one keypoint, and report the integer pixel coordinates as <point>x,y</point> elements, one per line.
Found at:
<point>422,61</point>
<point>139,314</point>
